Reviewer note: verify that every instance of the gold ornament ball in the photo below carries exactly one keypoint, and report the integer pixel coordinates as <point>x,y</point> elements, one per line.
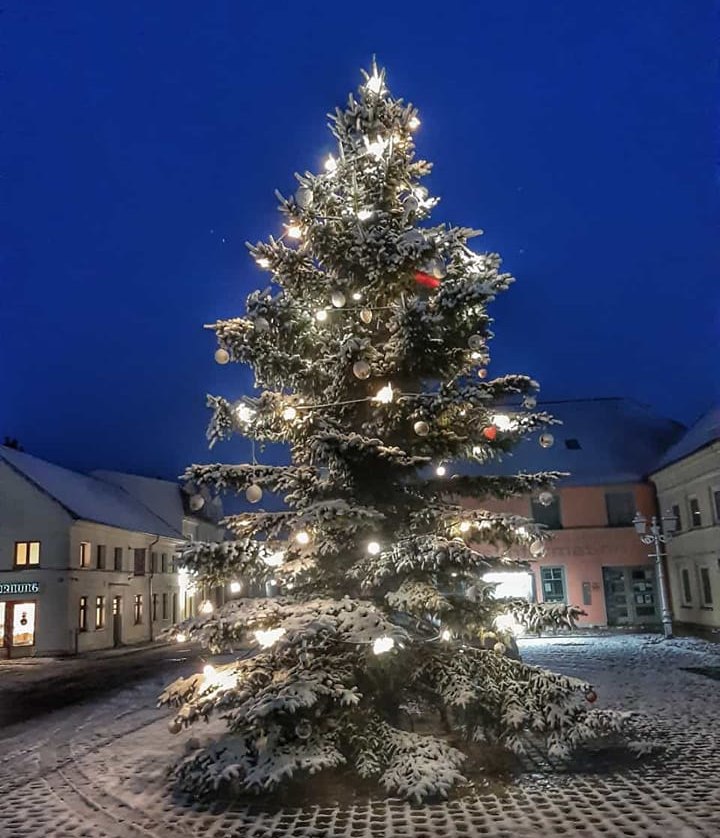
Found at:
<point>482,373</point>
<point>546,440</point>
<point>366,315</point>
<point>222,356</point>
<point>421,428</point>
<point>361,370</point>
<point>254,493</point>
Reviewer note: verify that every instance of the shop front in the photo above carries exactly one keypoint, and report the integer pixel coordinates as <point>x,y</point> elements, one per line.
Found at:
<point>18,615</point>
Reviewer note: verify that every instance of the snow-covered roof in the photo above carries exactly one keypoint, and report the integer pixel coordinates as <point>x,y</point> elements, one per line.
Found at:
<point>705,431</point>
<point>601,441</point>
<point>89,498</point>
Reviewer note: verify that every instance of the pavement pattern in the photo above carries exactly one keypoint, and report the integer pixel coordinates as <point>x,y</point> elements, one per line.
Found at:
<point>98,769</point>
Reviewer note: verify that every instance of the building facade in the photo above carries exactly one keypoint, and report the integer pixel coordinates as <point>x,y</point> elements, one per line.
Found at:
<point>688,486</point>
<point>593,558</point>
<point>84,564</point>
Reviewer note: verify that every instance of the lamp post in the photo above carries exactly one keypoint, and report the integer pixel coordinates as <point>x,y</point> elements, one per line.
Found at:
<point>656,535</point>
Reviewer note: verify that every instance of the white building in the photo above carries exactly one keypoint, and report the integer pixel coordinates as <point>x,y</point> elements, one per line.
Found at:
<point>89,562</point>
<point>688,483</point>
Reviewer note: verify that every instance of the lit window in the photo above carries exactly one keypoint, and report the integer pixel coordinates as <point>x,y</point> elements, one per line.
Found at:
<point>84,554</point>
<point>695,516</point>
<point>99,612</point>
<point>138,608</point>
<point>82,614</point>
<point>27,553</point>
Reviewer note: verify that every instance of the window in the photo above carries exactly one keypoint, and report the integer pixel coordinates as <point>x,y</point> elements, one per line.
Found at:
<point>163,563</point>
<point>685,585</point>
<point>174,608</point>
<point>705,587</point>
<point>695,516</point>
<point>100,552</point>
<point>553,584</point>
<point>620,508</point>
<point>716,504</point>
<point>573,444</point>
<point>117,558</point>
<point>84,554</point>
<point>548,515</point>
<point>27,553</point>
<point>99,612</point>
<point>153,562</point>
<point>139,562</point>
<point>164,606</point>
<point>676,512</point>
<point>154,607</point>
<point>82,614</point>
<point>138,609</point>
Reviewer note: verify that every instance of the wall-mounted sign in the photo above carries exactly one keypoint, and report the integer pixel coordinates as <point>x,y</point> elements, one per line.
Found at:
<point>19,588</point>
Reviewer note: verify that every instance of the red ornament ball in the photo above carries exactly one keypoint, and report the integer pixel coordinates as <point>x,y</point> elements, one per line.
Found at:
<point>490,432</point>
<point>591,696</point>
<point>426,280</point>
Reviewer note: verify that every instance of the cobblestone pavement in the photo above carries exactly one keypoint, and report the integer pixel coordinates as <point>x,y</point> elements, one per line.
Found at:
<point>97,769</point>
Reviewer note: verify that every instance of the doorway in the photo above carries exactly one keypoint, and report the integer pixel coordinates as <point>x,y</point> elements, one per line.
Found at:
<point>117,620</point>
<point>17,621</point>
<point>630,597</point>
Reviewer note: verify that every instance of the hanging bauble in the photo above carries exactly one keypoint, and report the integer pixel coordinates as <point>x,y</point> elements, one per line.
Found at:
<point>435,267</point>
<point>499,648</point>
<point>546,440</point>
<point>490,432</point>
<point>476,342</point>
<point>361,370</point>
<point>196,502</point>
<point>421,428</point>
<point>482,373</point>
<point>261,324</point>
<point>175,726</point>
<point>366,315</point>
<point>426,280</point>
<point>254,493</point>
<point>537,548</point>
<point>304,196</point>
<point>410,205</point>
<point>303,729</point>
<point>222,356</point>
<point>545,498</point>
<point>337,298</point>
<point>591,696</point>
<point>530,402</point>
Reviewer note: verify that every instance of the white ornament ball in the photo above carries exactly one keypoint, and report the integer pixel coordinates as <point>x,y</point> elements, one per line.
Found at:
<point>366,315</point>
<point>337,298</point>
<point>254,493</point>
<point>421,428</point>
<point>304,196</point>
<point>545,498</point>
<point>174,726</point>
<point>196,502</point>
<point>361,370</point>
<point>537,548</point>
<point>476,342</point>
<point>222,356</point>
<point>546,440</point>
<point>499,648</point>
<point>261,324</point>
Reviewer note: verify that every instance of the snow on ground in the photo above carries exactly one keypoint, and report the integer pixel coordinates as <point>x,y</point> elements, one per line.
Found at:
<point>97,770</point>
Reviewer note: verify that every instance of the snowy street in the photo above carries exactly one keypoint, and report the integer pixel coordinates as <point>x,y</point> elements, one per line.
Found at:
<point>96,769</point>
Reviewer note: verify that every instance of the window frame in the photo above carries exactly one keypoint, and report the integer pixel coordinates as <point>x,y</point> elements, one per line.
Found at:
<point>563,582</point>
<point>163,563</point>
<point>83,614</point>
<point>138,610</point>
<point>715,502</point>
<point>99,612</point>
<point>138,554</point>
<point>85,553</point>
<point>677,512</point>
<point>706,602</point>
<point>28,563</point>
<point>100,556</point>
<point>694,499</point>
<point>118,554</point>
<point>627,520</point>
<point>685,587</point>
<point>165,606</point>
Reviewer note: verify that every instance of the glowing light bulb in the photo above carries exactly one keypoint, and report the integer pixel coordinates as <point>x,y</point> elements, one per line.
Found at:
<point>294,232</point>
<point>274,559</point>
<point>357,295</point>
<point>263,262</point>
<point>446,635</point>
<point>384,395</point>
<point>235,587</point>
<point>321,315</point>
<point>521,531</point>
<point>206,607</point>
<point>441,471</point>
<point>382,644</point>
<point>244,413</point>
<point>465,526</point>
<point>181,637</point>
<point>269,637</point>
<point>413,123</point>
<point>302,537</point>
<point>289,413</point>
<point>502,422</point>
<point>330,163</point>
<point>475,356</point>
<point>374,84</point>
<point>209,671</point>
<point>477,450</point>
<point>376,148</point>
<point>373,548</point>
<point>364,214</point>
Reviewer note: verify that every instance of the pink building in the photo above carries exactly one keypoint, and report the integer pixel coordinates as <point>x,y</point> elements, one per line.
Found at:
<point>595,558</point>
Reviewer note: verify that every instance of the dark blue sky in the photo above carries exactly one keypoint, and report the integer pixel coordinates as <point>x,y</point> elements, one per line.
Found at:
<point>142,142</point>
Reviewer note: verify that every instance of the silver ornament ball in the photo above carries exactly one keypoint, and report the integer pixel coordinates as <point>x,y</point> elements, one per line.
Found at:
<point>222,356</point>
<point>366,315</point>
<point>337,298</point>
<point>545,498</point>
<point>196,502</point>
<point>546,440</point>
<point>261,324</point>
<point>304,196</point>
<point>254,493</point>
<point>421,428</point>
<point>476,342</point>
<point>361,370</point>
<point>537,548</point>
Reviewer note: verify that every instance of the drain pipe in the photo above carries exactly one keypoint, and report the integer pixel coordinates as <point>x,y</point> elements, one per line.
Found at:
<point>150,588</point>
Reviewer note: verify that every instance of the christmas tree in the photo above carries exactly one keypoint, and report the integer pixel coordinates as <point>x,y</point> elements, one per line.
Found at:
<point>370,356</point>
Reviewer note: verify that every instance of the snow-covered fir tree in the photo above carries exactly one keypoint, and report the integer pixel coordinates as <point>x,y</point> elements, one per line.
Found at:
<point>371,353</point>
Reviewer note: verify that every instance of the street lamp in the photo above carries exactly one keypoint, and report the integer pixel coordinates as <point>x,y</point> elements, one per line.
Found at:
<point>660,532</point>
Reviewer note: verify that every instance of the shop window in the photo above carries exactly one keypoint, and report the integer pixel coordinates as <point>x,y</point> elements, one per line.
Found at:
<point>685,586</point>
<point>99,612</point>
<point>706,587</point>
<point>552,580</point>
<point>678,517</point>
<point>154,607</point>
<point>138,608</point>
<point>84,554</point>
<point>695,516</point>
<point>164,606</point>
<point>620,508</point>
<point>100,553</point>
<point>83,613</point>
<point>23,624</point>
<point>139,561</point>
<point>547,515</point>
<point>27,553</point>
<point>163,563</point>
<point>117,558</point>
